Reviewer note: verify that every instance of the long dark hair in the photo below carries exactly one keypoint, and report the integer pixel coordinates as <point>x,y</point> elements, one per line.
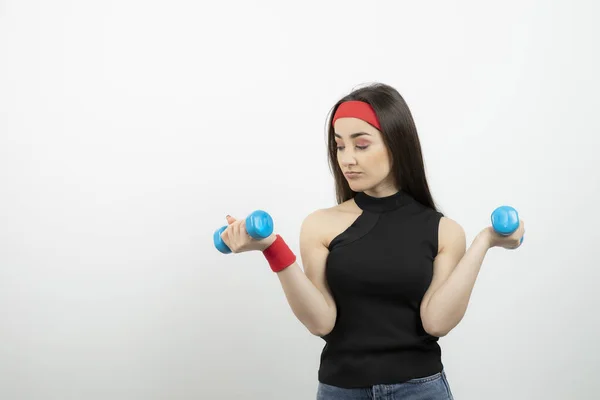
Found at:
<point>400,136</point>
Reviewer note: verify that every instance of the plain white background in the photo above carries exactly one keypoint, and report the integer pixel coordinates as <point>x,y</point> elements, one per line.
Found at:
<point>129,129</point>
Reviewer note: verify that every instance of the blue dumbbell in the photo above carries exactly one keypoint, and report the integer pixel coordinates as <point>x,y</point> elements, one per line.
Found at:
<point>505,220</point>
<point>259,225</point>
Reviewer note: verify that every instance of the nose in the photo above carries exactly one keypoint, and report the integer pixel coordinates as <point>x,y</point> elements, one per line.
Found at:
<point>347,158</point>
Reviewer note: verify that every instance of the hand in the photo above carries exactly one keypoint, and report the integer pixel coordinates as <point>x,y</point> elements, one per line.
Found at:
<point>237,239</point>
<point>511,242</point>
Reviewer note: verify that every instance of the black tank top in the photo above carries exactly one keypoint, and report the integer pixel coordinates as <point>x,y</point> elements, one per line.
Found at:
<point>378,270</point>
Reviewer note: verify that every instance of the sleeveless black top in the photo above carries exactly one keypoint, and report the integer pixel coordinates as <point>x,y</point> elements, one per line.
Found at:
<point>378,271</point>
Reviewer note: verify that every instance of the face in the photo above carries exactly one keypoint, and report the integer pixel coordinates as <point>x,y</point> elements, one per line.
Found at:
<point>361,149</point>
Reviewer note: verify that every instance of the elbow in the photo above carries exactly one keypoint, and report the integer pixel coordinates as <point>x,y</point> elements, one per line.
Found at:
<point>320,332</point>
<point>437,332</point>
<point>322,329</point>
<point>440,325</point>
<point>435,328</point>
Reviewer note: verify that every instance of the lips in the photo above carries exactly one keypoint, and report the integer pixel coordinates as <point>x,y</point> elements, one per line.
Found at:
<point>352,174</point>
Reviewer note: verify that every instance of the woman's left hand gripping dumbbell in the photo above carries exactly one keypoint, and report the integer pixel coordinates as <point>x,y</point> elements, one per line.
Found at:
<point>235,236</point>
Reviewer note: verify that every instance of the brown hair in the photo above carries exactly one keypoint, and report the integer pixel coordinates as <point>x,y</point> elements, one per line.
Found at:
<point>400,136</point>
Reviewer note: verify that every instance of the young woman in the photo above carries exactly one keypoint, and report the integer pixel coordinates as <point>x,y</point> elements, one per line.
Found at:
<point>385,273</point>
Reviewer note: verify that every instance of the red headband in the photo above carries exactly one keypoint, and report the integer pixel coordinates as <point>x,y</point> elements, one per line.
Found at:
<point>357,109</point>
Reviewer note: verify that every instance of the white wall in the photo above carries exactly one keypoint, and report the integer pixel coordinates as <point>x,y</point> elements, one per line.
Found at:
<point>129,129</point>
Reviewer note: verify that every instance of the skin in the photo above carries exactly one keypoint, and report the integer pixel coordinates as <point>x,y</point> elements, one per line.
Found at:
<point>361,149</point>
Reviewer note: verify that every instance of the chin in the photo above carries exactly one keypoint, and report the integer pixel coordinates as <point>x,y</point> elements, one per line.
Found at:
<point>357,187</point>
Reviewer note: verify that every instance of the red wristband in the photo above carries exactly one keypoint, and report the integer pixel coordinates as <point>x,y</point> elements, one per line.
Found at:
<point>279,255</point>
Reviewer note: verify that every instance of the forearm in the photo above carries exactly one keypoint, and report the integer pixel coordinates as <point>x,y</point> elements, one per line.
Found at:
<point>449,303</point>
<point>306,301</point>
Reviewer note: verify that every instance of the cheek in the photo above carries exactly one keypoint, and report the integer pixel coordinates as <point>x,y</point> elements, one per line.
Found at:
<point>376,159</point>
<point>378,164</point>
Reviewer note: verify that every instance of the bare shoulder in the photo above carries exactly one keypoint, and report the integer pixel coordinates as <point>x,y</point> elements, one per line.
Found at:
<point>327,223</point>
<point>311,229</point>
<point>451,234</point>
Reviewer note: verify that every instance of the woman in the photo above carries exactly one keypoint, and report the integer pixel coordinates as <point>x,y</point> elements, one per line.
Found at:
<point>385,273</point>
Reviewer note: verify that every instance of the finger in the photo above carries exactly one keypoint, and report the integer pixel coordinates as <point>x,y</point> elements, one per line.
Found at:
<point>230,219</point>
<point>239,231</point>
<point>225,236</point>
<point>519,232</point>
<point>234,228</point>
<point>519,242</point>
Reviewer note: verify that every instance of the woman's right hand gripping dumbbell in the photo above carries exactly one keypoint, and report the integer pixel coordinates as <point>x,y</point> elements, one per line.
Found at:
<point>255,232</point>
<point>236,237</point>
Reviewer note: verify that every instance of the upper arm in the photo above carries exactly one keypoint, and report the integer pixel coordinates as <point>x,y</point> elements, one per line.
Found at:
<point>313,253</point>
<point>452,247</point>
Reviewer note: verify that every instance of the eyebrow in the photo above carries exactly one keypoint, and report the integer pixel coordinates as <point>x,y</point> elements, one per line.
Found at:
<point>352,136</point>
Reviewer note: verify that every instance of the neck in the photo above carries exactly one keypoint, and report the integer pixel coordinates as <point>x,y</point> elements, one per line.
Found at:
<point>382,191</point>
<point>382,203</point>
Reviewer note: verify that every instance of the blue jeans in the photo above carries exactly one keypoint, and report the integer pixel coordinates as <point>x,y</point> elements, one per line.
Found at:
<point>434,387</point>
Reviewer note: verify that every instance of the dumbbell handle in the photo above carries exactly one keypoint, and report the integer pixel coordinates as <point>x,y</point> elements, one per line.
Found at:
<point>259,225</point>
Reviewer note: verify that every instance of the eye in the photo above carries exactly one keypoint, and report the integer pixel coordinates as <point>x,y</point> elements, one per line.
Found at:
<point>340,148</point>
